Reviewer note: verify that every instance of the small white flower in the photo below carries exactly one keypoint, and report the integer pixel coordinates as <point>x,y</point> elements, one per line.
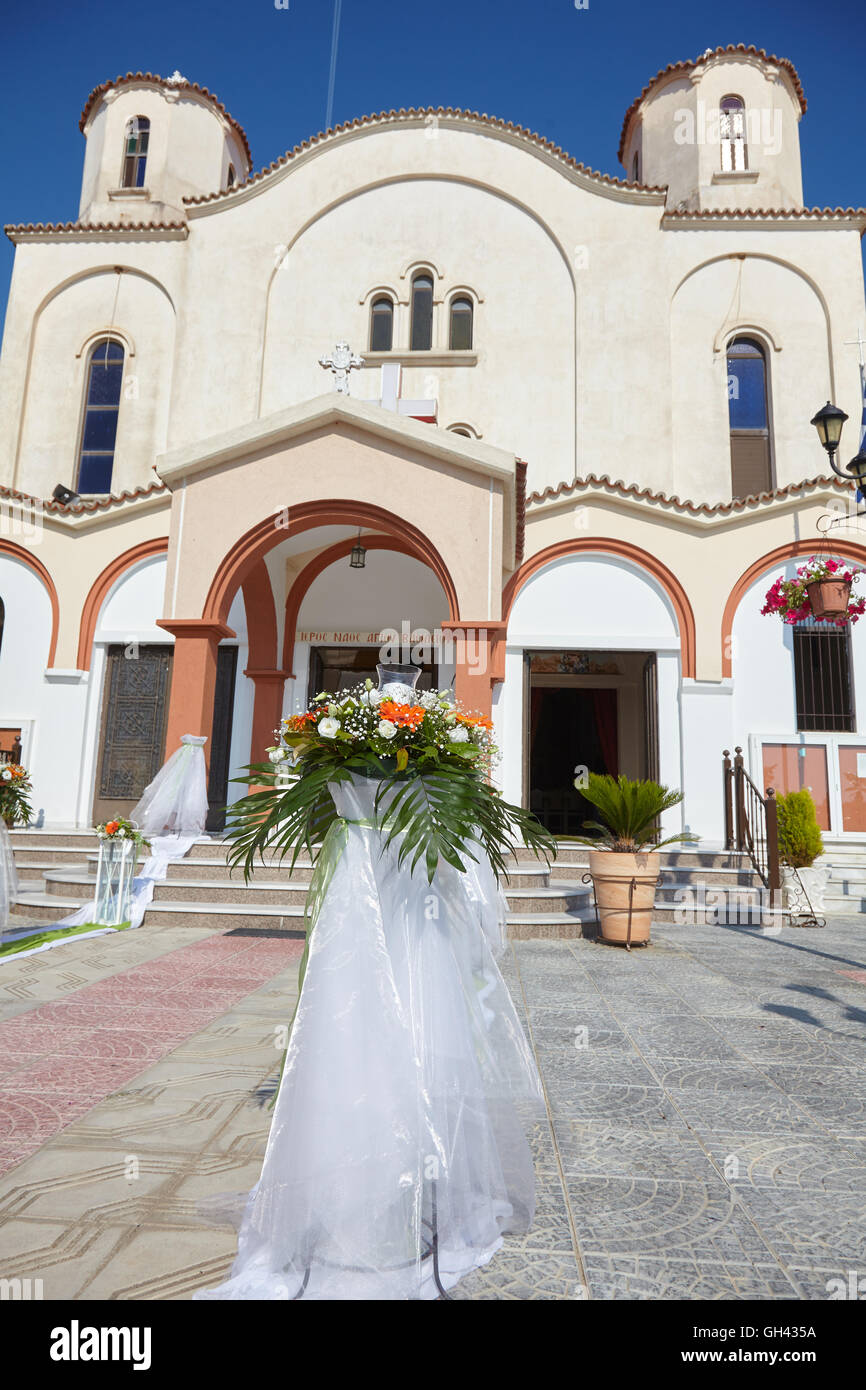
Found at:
<point>328,727</point>
<point>459,735</point>
<point>375,697</point>
<point>386,728</point>
<point>276,755</point>
<point>121,834</point>
<point>428,699</point>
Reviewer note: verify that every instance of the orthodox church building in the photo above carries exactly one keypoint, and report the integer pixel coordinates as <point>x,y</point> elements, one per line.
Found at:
<point>429,384</point>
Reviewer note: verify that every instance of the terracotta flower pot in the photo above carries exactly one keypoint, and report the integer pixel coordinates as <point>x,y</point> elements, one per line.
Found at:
<point>829,597</point>
<point>612,877</point>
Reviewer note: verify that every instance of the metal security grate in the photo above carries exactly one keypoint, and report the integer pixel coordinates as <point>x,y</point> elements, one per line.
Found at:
<point>822,676</point>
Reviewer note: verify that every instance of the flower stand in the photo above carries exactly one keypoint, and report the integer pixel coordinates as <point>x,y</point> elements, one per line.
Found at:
<point>115,872</point>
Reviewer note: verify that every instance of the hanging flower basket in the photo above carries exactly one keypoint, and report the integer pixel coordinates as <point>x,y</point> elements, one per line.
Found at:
<point>821,589</point>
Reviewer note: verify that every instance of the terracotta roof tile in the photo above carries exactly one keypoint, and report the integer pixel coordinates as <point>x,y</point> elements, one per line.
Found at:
<point>672,215</point>
<point>593,480</point>
<point>98,504</point>
<point>13,229</point>
<point>76,508</point>
<point>414,113</point>
<point>130,77</point>
<point>686,66</point>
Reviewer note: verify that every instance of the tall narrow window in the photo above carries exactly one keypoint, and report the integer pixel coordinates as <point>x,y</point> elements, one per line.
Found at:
<point>381,325</point>
<point>135,152</point>
<point>101,405</point>
<point>422,314</point>
<point>461,323</point>
<point>732,130</point>
<point>635,168</point>
<point>748,412</point>
<point>230,177</point>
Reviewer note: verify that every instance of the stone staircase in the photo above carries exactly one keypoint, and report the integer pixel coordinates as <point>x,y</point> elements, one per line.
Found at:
<point>846,880</point>
<point>57,870</point>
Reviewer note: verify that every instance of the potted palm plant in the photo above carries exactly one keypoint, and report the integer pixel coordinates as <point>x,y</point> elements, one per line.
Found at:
<point>624,861</point>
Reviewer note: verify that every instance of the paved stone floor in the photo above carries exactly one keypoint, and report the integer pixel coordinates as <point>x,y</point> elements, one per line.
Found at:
<point>706,1133</point>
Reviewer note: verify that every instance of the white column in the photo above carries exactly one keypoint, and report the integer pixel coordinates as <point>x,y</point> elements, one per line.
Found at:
<point>707,729</point>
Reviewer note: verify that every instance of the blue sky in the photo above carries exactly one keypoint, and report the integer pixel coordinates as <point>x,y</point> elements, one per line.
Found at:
<point>569,74</point>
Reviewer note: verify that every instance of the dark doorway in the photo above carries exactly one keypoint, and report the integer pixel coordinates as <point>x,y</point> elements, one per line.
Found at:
<point>569,727</point>
<point>336,669</point>
<point>132,735</point>
<point>220,752</point>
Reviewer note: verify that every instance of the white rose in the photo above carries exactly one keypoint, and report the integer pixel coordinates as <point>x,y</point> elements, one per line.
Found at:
<point>375,697</point>
<point>328,727</point>
<point>386,728</point>
<point>121,834</point>
<point>459,735</point>
<point>276,755</point>
<point>7,775</point>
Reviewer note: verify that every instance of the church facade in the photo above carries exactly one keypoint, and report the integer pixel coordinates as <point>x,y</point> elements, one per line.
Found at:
<point>428,388</point>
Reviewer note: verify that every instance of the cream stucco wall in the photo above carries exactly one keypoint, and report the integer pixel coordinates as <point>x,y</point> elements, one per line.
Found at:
<point>597,319</point>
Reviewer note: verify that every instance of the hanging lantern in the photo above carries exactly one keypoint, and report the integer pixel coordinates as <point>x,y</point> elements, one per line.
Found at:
<point>358,557</point>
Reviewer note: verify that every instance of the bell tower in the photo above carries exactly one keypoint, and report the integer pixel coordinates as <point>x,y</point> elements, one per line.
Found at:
<point>152,141</point>
<point>721,132</point>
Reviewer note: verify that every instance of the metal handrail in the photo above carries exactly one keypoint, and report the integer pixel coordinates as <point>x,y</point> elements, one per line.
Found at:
<point>751,820</point>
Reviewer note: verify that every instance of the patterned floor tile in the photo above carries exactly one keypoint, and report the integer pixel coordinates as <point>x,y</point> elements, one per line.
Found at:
<point>641,1217</point>
<point>685,1279</point>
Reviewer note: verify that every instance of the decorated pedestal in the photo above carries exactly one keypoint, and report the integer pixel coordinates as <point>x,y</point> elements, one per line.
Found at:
<point>114,874</point>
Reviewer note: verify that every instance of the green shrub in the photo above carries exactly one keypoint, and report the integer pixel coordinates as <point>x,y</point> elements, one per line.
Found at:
<point>800,839</point>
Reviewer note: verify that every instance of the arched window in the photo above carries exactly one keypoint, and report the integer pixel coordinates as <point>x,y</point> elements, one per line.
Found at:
<point>635,168</point>
<point>749,415</point>
<point>422,313</point>
<point>101,405</point>
<point>230,178</point>
<point>135,152</point>
<point>732,131</point>
<point>461,323</point>
<point>381,325</point>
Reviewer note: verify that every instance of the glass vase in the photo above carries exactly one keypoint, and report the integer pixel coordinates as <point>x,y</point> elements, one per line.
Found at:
<point>115,871</point>
<point>398,682</point>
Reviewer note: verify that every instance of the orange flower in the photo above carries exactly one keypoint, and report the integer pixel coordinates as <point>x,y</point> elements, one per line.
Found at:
<point>404,716</point>
<point>111,826</point>
<point>480,721</point>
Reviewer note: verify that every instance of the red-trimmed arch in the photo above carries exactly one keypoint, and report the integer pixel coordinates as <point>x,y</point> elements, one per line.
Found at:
<point>256,543</point>
<point>846,550</point>
<point>102,585</point>
<point>317,566</point>
<point>19,552</point>
<point>608,545</point>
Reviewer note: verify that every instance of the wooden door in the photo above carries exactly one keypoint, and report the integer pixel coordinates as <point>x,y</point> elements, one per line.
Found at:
<point>651,717</point>
<point>220,752</point>
<point>132,730</point>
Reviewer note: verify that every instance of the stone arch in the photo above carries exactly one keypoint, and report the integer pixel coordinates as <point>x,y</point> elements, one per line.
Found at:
<point>642,559</point>
<point>255,544</point>
<point>18,552</point>
<point>849,550</point>
<point>102,586</point>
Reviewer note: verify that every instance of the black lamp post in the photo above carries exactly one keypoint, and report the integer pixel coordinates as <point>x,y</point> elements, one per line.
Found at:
<point>829,423</point>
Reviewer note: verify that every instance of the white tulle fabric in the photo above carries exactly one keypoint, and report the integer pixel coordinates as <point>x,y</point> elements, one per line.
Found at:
<point>406,1094</point>
<point>8,877</point>
<point>171,814</point>
<point>175,802</point>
